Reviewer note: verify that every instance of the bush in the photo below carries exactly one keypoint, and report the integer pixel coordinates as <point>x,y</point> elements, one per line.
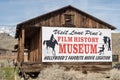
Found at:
<point>56,72</point>
<point>116,66</point>
<point>7,73</point>
<point>115,74</point>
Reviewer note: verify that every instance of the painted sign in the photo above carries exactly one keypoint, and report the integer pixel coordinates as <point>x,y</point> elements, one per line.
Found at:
<point>61,44</point>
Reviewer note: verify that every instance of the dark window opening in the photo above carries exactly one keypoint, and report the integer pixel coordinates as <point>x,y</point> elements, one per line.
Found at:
<point>68,19</point>
<point>115,58</point>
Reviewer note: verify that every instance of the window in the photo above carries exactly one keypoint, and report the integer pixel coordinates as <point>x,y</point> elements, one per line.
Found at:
<point>115,58</point>
<point>68,19</point>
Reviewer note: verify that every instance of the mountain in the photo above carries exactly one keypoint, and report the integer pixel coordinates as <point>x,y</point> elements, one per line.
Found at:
<point>7,41</point>
<point>10,29</point>
<point>116,43</point>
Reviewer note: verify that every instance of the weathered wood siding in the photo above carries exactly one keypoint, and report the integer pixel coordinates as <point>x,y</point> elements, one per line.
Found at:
<point>80,20</point>
<point>21,41</point>
<point>34,52</point>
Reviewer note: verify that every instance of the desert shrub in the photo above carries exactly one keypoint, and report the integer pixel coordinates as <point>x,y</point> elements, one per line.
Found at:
<point>56,72</point>
<point>115,74</point>
<point>73,75</point>
<point>7,73</point>
<point>116,66</point>
<point>96,76</point>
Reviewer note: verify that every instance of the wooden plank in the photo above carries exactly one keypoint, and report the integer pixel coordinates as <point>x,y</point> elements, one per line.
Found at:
<point>18,55</point>
<point>31,68</point>
<point>40,45</point>
<point>21,46</point>
<point>37,47</point>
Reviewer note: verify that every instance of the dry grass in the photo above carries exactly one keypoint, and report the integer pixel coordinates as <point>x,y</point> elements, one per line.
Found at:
<point>7,73</point>
<point>115,74</point>
<point>56,72</point>
<point>97,76</point>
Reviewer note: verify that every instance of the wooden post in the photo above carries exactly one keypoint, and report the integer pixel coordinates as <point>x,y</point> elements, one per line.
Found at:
<point>18,55</point>
<point>21,48</point>
<point>40,46</point>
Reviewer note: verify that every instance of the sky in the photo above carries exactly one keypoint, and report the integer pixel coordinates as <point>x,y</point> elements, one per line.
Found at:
<point>13,12</point>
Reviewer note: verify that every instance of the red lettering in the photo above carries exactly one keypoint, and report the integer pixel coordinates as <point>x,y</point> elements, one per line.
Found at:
<point>78,48</point>
<point>81,48</point>
<point>64,39</point>
<point>62,48</point>
<point>93,49</point>
<point>86,48</point>
<point>69,48</point>
<point>59,38</point>
<point>75,49</point>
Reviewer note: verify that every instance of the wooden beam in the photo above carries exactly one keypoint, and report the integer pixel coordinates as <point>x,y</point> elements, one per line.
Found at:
<point>32,67</point>
<point>23,41</point>
<point>21,47</point>
<point>40,45</point>
<point>18,55</point>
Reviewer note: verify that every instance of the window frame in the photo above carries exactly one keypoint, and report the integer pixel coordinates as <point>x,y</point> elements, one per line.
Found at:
<point>69,18</point>
<point>115,58</point>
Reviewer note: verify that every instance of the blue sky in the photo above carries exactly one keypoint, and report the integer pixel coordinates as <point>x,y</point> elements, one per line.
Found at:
<point>13,12</point>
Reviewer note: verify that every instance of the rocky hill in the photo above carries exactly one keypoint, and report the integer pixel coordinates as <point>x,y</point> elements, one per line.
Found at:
<point>10,29</point>
<point>7,41</point>
<point>116,43</point>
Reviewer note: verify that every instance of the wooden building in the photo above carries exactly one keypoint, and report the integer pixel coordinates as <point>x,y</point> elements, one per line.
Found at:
<point>29,35</point>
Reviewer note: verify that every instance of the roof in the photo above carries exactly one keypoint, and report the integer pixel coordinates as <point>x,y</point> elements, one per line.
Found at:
<point>62,9</point>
